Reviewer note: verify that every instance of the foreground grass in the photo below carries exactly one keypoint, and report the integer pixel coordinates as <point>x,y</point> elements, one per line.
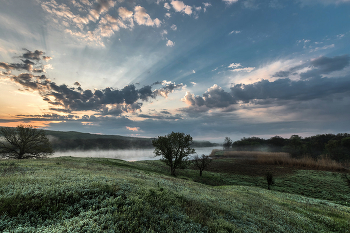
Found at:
<point>107,195</point>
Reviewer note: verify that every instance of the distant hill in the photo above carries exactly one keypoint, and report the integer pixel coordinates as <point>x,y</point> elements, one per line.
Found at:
<point>73,140</point>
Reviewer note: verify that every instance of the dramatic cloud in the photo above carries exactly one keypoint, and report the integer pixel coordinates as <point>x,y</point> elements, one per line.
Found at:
<point>108,101</point>
<point>64,13</point>
<point>179,6</point>
<point>82,28</point>
<point>281,89</point>
<point>327,65</point>
<point>310,86</point>
<point>29,64</point>
<point>214,97</point>
<point>317,67</point>
<point>77,99</point>
<point>33,55</point>
<point>166,116</point>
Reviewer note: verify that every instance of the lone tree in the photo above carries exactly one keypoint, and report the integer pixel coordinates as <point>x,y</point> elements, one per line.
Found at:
<point>270,180</point>
<point>201,162</point>
<point>174,149</point>
<point>24,142</point>
<point>227,143</point>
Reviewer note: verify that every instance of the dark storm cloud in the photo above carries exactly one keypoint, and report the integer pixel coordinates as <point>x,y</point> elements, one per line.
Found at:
<point>327,65</point>
<point>47,58</point>
<point>26,80</point>
<point>77,99</point>
<point>161,117</point>
<point>60,110</point>
<point>32,55</point>
<point>28,63</point>
<point>310,86</point>
<point>279,90</point>
<point>5,66</point>
<point>17,66</point>
<point>67,99</point>
<point>44,117</point>
<point>215,97</point>
<point>319,66</point>
<point>119,109</point>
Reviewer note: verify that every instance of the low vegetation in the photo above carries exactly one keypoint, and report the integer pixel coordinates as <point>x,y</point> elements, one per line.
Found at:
<point>336,146</point>
<point>107,195</point>
<point>282,159</point>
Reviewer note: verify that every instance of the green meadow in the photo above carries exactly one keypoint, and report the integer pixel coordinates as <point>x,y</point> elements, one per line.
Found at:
<point>67,194</point>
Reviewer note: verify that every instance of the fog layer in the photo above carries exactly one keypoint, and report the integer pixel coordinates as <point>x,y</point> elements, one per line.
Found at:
<point>127,155</point>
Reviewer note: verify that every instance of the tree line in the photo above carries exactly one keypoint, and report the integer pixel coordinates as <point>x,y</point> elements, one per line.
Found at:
<point>336,146</point>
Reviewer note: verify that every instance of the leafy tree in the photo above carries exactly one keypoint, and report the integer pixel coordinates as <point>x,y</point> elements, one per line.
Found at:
<point>295,145</point>
<point>345,142</point>
<point>277,141</point>
<point>201,162</point>
<point>174,149</point>
<point>24,142</point>
<point>227,143</point>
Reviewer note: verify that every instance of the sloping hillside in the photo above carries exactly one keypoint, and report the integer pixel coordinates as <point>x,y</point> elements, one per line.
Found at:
<point>107,195</point>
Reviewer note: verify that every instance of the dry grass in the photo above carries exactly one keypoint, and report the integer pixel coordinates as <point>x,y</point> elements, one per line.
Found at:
<point>322,163</point>
<point>283,159</point>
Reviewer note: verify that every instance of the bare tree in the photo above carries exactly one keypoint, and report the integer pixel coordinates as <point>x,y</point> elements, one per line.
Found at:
<point>24,142</point>
<point>201,162</point>
<point>174,149</point>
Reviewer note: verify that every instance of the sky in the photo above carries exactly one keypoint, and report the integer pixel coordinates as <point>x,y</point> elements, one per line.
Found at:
<point>211,69</point>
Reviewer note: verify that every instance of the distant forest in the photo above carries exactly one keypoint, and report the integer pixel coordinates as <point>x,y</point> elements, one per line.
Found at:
<point>336,146</point>
<point>64,141</point>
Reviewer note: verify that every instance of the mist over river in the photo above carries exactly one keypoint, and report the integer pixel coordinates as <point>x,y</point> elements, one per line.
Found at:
<point>127,155</point>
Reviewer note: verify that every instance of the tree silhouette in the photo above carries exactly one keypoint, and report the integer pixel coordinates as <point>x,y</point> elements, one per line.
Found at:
<point>201,162</point>
<point>24,142</point>
<point>174,149</point>
<point>227,143</point>
<point>270,180</point>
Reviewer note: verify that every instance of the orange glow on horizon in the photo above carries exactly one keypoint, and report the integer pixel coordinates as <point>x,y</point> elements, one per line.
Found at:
<point>35,124</point>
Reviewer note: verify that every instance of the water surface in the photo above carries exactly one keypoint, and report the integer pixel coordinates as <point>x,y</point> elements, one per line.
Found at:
<point>127,155</point>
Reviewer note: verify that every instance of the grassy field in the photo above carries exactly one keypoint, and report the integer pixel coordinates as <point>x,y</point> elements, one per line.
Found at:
<point>69,194</point>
